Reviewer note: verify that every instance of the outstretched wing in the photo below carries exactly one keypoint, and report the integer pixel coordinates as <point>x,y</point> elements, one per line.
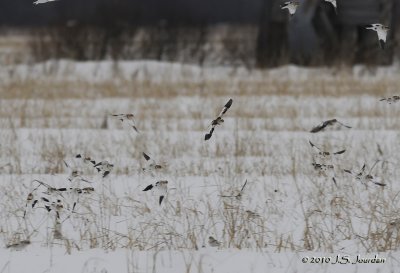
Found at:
<point>226,107</point>
<point>134,128</point>
<point>319,127</point>
<point>146,156</point>
<point>149,187</point>
<point>340,152</point>
<point>314,146</point>
<point>348,171</point>
<point>209,135</point>
<point>344,125</point>
<point>379,183</point>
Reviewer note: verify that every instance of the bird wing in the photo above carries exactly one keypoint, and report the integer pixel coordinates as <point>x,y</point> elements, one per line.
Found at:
<point>134,128</point>
<point>226,107</point>
<point>344,124</point>
<point>340,152</point>
<point>319,127</point>
<point>314,146</point>
<point>146,156</point>
<point>209,135</point>
<point>149,187</point>
<point>379,183</point>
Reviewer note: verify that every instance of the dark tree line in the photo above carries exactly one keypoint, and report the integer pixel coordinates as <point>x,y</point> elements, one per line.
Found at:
<point>104,12</point>
<point>259,32</point>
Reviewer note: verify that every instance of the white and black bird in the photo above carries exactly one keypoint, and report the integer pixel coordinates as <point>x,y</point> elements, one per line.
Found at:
<point>333,2</point>
<point>291,6</point>
<point>326,124</point>
<point>218,120</point>
<point>160,187</point>
<point>239,194</point>
<point>324,154</point>
<point>152,164</point>
<point>391,100</point>
<point>381,31</point>
<point>50,205</point>
<point>104,167</point>
<point>86,159</point>
<point>365,177</point>
<point>213,242</point>
<point>326,170</point>
<point>322,167</point>
<point>18,246</point>
<point>75,176</point>
<point>128,118</point>
<point>73,194</point>
<point>43,1</point>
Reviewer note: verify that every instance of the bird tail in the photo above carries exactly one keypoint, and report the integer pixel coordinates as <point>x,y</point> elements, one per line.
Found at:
<point>382,44</point>
<point>209,135</point>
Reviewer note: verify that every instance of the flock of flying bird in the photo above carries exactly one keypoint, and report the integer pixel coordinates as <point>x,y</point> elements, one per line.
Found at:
<point>323,160</point>
<point>380,29</point>
<point>55,200</point>
<point>71,193</point>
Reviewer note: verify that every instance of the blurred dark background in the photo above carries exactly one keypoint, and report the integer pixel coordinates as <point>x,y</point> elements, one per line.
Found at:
<point>253,33</point>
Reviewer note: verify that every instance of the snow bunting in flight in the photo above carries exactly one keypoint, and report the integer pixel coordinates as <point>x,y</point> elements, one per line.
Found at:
<point>291,6</point>
<point>75,175</point>
<point>104,167</point>
<point>382,31</point>
<point>364,177</point>
<point>324,154</point>
<point>238,195</point>
<point>19,245</point>
<point>86,159</point>
<point>161,187</point>
<point>329,123</point>
<point>391,100</point>
<point>153,165</point>
<point>213,242</point>
<point>129,118</point>
<point>218,120</point>
<point>43,1</point>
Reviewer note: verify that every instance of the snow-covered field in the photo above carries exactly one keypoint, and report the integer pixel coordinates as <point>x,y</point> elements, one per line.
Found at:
<point>286,212</point>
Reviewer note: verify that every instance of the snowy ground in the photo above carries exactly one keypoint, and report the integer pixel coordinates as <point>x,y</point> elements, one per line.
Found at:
<point>53,111</point>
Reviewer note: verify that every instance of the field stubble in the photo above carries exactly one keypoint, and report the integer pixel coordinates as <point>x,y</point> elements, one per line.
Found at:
<point>286,206</point>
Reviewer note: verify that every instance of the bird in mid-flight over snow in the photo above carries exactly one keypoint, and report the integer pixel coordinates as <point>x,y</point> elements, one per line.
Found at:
<point>328,123</point>
<point>391,100</point>
<point>130,118</point>
<point>325,154</point>
<point>153,165</point>
<point>213,242</point>
<point>218,120</point>
<point>86,159</point>
<point>382,31</point>
<point>104,167</point>
<point>161,187</point>
<point>291,6</point>
<point>43,1</point>
<point>366,177</point>
<point>333,2</point>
